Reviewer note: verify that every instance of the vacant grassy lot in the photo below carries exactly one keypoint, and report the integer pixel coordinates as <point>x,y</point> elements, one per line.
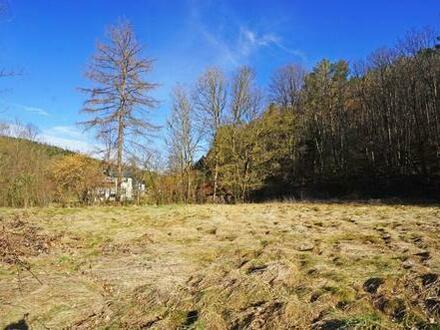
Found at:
<point>265,266</point>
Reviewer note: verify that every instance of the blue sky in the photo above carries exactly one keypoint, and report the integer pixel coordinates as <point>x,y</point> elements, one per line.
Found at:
<point>51,42</point>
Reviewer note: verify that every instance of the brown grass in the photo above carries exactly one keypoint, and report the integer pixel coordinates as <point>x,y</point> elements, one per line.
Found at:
<point>264,266</point>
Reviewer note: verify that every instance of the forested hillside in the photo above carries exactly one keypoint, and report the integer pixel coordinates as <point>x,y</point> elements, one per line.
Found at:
<point>370,129</point>
<point>35,174</point>
<point>49,150</point>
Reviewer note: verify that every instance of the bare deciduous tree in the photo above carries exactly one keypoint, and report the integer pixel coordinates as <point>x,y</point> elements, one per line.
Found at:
<point>244,108</point>
<point>120,99</point>
<point>245,97</point>
<point>286,85</point>
<point>184,137</point>
<point>210,102</point>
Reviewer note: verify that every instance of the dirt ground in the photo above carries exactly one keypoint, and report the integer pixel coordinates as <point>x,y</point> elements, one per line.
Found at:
<point>252,266</point>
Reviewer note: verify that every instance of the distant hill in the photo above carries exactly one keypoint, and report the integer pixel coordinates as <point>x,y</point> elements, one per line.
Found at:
<point>50,150</point>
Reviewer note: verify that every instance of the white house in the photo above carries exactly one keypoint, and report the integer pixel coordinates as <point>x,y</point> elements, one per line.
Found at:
<point>109,189</point>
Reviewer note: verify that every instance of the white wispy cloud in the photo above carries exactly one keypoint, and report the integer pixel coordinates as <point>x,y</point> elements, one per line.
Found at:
<point>254,39</point>
<point>27,108</point>
<point>251,41</point>
<point>66,131</point>
<point>295,52</point>
<point>233,41</point>
<point>70,144</point>
<point>68,137</point>
<point>224,52</point>
<point>244,43</point>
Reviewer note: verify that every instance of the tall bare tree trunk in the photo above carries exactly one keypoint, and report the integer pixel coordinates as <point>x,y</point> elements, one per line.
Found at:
<point>120,145</point>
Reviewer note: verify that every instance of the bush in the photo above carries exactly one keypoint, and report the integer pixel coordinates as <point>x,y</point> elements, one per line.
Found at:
<point>77,178</point>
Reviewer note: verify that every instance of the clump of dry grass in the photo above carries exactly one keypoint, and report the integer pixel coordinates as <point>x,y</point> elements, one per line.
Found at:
<point>264,266</point>
<point>19,239</point>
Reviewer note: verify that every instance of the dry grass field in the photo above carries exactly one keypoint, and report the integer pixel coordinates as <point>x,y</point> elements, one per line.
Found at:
<point>262,266</point>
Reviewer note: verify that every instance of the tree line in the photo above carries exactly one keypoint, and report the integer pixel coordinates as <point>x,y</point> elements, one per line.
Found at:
<point>370,129</point>
<point>361,131</point>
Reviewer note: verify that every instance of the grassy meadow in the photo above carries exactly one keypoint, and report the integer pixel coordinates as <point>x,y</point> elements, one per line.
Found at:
<point>250,266</point>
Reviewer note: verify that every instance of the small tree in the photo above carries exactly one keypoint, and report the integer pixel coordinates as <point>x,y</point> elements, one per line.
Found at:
<point>77,176</point>
<point>120,99</point>
<point>254,153</point>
